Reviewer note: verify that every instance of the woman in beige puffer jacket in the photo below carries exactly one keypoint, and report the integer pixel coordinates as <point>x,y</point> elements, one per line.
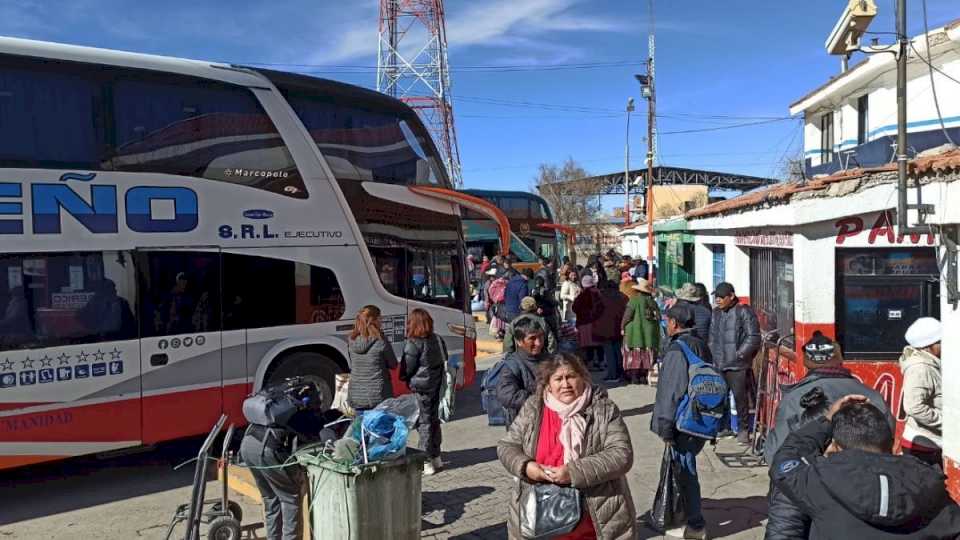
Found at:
<point>599,473</point>
<point>923,404</point>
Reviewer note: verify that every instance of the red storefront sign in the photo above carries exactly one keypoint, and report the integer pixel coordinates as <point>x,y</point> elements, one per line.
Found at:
<point>883,228</point>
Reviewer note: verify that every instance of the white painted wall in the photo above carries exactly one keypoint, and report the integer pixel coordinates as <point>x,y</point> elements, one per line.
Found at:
<point>877,79</point>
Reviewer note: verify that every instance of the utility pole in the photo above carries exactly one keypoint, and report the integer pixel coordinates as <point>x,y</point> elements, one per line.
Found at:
<point>651,138</point>
<point>626,166</point>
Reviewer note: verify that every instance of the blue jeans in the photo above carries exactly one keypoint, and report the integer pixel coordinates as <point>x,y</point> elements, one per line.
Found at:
<point>614,359</point>
<point>685,450</point>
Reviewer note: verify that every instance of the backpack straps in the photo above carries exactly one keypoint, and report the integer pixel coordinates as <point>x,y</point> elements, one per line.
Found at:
<point>691,356</point>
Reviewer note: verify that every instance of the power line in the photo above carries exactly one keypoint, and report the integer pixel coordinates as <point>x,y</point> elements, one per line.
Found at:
<point>929,62</point>
<point>506,68</point>
<point>719,128</point>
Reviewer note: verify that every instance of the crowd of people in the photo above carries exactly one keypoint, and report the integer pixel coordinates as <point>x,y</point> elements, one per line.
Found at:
<point>832,467</point>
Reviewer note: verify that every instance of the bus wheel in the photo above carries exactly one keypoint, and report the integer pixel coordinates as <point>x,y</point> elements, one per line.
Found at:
<point>311,366</point>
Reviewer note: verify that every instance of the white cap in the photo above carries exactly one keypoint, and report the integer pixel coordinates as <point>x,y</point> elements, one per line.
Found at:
<point>924,332</point>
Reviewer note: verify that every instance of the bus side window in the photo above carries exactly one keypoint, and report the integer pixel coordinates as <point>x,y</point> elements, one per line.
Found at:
<point>49,300</point>
<point>181,291</point>
<point>263,292</point>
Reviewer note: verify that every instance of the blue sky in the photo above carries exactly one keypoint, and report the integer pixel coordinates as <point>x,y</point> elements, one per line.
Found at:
<point>717,63</point>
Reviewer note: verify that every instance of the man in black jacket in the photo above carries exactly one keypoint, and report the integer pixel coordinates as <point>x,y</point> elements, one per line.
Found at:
<point>807,400</point>
<point>518,379</point>
<point>674,378</point>
<point>859,490</point>
<point>734,341</point>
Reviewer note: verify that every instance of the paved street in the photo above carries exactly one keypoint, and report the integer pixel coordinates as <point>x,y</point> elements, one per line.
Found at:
<point>134,496</point>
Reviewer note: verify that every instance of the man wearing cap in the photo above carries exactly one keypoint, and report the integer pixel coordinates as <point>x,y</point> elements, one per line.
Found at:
<point>806,400</point>
<point>674,379</point>
<point>922,391</point>
<point>529,309</point>
<point>689,296</point>
<point>734,340</point>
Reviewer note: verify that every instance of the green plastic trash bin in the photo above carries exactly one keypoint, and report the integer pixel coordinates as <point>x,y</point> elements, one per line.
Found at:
<point>362,502</point>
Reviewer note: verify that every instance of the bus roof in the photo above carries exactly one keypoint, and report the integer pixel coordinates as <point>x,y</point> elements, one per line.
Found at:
<point>504,193</point>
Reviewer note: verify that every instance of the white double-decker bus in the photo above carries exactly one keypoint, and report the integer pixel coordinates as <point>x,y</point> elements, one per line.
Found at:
<point>176,233</point>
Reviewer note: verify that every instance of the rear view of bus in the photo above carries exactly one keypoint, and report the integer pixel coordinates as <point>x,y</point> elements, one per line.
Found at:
<point>175,234</point>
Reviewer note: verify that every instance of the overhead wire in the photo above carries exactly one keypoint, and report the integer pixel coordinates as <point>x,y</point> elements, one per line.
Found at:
<point>929,62</point>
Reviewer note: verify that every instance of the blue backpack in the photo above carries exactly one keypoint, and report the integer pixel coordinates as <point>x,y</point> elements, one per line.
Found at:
<point>496,414</point>
<point>703,409</point>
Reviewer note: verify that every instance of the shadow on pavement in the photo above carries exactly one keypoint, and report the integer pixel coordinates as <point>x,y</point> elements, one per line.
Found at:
<point>637,411</point>
<point>468,402</point>
<point>493,531</point>
<point>473,456</point>
<point>46,489</point>
<point>729,516</point>
<point>451,502</point>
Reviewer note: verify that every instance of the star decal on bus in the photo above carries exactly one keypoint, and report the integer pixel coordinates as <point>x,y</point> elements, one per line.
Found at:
<point>115,354</point>
<point>7,364</point>
<point>27,362</point>
<point>98,356</point>
<point>45,361</point>
<point>64,359</point>
<point>82,357</point>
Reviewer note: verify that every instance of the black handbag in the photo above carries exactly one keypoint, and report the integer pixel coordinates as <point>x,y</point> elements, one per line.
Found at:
<point>548,510</point>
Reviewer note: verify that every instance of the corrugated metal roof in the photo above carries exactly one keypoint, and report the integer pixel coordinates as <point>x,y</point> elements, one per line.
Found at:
<point>782,193</point>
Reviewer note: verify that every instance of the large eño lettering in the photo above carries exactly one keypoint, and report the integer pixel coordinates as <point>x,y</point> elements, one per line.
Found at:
<point>98,212</point>
<point>850,227</point>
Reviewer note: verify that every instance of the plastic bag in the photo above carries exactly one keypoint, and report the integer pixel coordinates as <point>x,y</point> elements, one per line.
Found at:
<point>406,407</point>
<point>448,392</point>
<point>342,383</point>
<point>382,436</point>
<point>667,508</point>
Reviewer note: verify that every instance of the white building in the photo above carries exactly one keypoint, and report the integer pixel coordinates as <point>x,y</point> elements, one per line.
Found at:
<point>851,121</point>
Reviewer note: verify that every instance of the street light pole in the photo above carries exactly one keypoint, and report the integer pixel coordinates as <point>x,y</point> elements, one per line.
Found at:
<point>626,166</point>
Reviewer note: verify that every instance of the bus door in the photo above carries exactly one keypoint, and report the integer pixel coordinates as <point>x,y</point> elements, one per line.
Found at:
<point>181,343</point>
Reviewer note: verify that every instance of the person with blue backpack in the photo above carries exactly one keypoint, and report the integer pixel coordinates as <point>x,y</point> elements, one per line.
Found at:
<point>689,409</point>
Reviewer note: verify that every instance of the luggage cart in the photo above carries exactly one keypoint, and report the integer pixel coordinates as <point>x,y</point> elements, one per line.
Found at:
<point>223,516</point>
<point>768,391</point>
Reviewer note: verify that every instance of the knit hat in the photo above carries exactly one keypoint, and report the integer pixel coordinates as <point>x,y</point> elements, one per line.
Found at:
<point>819,349</point>
<point>528,304</point>
<point>924,332</point>
<point>587,281</point>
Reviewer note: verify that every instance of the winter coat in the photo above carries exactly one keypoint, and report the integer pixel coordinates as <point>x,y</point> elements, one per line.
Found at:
<point>608,326</point>
<point>701,318</point>
<point>734,337</point>
<point>641,323</point>
<point>550,339</point>
<point>862,495</point>
<point>784,520</point>
<point>422,364</point>
<point>569,292</point>
<point>518,381</point>
<point>517,289</point>
<point>370,362</point>
<point>599,473</point>
<point>922,398</point>
<point>672,386</point>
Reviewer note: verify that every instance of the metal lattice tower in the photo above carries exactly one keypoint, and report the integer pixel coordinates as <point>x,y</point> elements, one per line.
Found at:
<point>412,66</point>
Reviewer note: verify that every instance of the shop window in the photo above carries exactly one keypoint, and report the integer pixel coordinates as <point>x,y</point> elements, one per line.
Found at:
<point>880,292</point>
<point>180,292</point>
<point>771,289</point>
<point>49,300</point>
<point>863,113</point>
<point>286,293</point>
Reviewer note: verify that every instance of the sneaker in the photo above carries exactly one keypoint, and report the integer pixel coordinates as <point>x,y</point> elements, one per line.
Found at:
<point>437,464</point>
<point>429,469</point>
<point>695,534</point>
<point>743,438</point>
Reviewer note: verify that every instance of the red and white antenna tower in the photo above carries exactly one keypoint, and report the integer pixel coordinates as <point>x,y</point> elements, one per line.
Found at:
<point>420,75</point>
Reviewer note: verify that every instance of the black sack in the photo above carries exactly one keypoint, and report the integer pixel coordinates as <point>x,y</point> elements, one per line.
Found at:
<point>667,510</point>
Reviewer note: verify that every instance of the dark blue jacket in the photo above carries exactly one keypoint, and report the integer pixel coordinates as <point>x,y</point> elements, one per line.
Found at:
<point>517,289</point>
<point>674,377</point>
<point>701,318</point>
